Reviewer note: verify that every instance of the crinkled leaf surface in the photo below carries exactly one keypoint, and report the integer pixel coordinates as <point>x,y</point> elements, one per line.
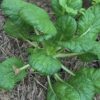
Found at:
<point>62,7</point>
<point>11,8</point>
<point>83,86</point>
<point>51,95</point>
<point>94,76</point>
<point>66,8</point>
<point>8,78</point>
<point>89,23</point>
<point>17,29</point>
<point>57,8</point>
<point>63,91</point>
<point>79,45</point>
<point>83,46</point>
<point>88,28</point>
<point>66,26</point>
<point>43,63</point>
<point>32,15</point>
<point>75,4</point>
<point>14,26</point>
<point>38,18</point>
<point>96,49</point>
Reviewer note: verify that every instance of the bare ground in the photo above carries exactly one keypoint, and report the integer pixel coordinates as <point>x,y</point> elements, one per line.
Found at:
<point>34,86</point>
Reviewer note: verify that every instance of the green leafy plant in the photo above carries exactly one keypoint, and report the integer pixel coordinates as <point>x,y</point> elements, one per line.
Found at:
<point>73,33</point>
<point>95,1</point>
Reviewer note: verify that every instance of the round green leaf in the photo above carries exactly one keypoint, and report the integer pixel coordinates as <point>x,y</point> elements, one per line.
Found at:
<point>44,63</point>
<point>66,27</point>
<point>8,77</point>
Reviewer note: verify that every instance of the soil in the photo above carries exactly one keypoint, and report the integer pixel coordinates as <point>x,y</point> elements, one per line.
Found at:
<point>34,86</point>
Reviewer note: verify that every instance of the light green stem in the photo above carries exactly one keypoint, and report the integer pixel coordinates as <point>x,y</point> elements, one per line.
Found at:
<point>67,70</point>
<point>50,85</point>
<point>58,77</point>
<point>34,44</point>
<point>18,70</point>
<point>36,31</point>
<point>66,55</point>
<point>85,32</point>
<point>24,67</point>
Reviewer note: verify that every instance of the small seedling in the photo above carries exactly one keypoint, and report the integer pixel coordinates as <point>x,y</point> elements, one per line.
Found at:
<point>73,33</point>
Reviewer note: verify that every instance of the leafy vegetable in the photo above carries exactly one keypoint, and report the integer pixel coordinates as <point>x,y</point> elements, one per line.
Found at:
<point>38,19</point>
<point>82,46</point>
<point>12,11</point>
<point>44,63</point>
<point>8,76</point>
<point>62,7</point>
<point>66,26</point>
<point>63,92</point>
<point>85,40</point>
<point>75,4</point>
<point>78,87</point>
<point>57,8</point>
<point>79,45</point>
<point>25,12</point>
<point>74,33</point>
<point>89,23</point>
<point>17,29</point>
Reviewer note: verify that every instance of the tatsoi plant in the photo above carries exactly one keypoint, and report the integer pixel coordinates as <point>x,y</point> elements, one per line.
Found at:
<point>73,33</point>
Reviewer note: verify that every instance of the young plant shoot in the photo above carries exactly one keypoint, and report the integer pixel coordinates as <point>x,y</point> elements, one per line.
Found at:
<point>73,33</point>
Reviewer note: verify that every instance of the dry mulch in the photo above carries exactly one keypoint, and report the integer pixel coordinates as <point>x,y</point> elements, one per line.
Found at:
<point>34,86</point>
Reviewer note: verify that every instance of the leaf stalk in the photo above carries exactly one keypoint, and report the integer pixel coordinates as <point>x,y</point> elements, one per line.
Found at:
<point>67,70</point>
<point>67,55</point>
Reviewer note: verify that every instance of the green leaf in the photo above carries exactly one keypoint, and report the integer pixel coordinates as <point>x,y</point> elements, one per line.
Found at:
<point>93,75</point>
<point>14,25</point>
<point>83,86</point>
<point>66,26</point>
<point>44,63</point>
<point>93,54</point>
<point>76,4</point>
<point>95,1</point>
<point>79,45</point>
<point>38,19</point>
<point>63,91</point>
<point>17,29</point>
<point>57,8</point>
<point>89,23</point>
<point>96,49</point>
<point>62,7</point>
<point>82,46</point>
<point>11,8</point>
<point>51,95</point>
<point>23,11</point>
<point>66,7</point>
<point>8,78</point>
